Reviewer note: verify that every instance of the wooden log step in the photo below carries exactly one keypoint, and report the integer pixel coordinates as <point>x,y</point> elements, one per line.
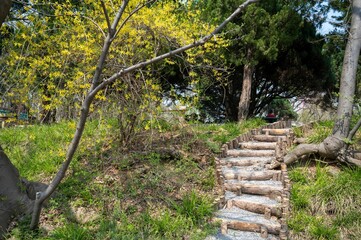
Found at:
<point>276,131</point>
<point>236,173</point>
<point>254,188</point>
<point>243,220</point>
<point>244,161</point>
<point>250,153</point>
<point>256,207</point>
<point>258,145</point>
<point>267,138</point>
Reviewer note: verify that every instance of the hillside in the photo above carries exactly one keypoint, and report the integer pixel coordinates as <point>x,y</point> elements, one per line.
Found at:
<point>162,186</point>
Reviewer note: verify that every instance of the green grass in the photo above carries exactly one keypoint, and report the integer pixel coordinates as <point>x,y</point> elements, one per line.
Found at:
<point>325,205</point>
<point>320,131</point>
<point>326,200</point>
<point>37,151</point>
<point>217,134</point>
<point>111,193</point>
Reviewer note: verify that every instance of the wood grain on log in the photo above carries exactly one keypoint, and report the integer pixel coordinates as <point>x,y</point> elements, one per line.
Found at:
<point>257,207</point>
<point>255,189</point>
<point>248,175</point>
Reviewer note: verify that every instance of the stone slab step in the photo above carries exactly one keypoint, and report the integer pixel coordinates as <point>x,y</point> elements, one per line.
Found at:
<point>237,173</point>
<point>245,161</point>
<point>239,219</point>
<point>267,138</point>
<point>241,235</point>
<point>266,206</point>
<point>250,153</point>
<point>258,145</point>
<point>251,168</point>
<point>277,131</point>
<point>252,198</point>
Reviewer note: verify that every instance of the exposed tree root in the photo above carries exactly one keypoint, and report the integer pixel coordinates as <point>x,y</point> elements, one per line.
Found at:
<point>354,161</point>
<point>331,148</point>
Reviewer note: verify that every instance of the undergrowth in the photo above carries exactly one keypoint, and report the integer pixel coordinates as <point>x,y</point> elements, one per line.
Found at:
<point>109,192</point>
<point>325,199</point>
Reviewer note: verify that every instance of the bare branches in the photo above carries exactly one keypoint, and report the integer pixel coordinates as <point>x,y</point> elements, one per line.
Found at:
<point>139,7</point>
<point>107,43</point>
<point>106,16</point>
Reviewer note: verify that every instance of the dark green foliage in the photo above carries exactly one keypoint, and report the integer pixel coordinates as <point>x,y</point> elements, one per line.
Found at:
<point>286,52</point>
<point>282,108</point>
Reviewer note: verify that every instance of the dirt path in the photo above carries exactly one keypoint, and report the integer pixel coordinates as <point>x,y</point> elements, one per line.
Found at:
<point>256,200</point>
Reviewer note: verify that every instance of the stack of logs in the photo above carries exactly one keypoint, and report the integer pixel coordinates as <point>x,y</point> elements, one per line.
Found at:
<point>242,171</point>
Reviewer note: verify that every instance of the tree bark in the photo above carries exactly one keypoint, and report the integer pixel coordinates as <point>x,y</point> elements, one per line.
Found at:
<point>4,10</point>
<point>245,98</point>
<point>14,199</point>
<point>348,76</point>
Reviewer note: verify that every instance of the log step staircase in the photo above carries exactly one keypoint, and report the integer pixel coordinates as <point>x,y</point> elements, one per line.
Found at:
<point>255,200</point>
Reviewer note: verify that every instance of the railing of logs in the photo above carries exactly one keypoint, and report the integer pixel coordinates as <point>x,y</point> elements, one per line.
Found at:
<point>281,148</point>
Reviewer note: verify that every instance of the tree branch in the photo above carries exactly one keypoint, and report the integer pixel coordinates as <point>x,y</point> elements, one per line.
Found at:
<point>354,130</point>
<point>106,17</point>
<point>139,7</point>
<point>171,53</point>
<point>106,46</point>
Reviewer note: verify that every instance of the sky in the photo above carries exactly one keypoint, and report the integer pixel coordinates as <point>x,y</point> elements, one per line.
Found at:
<point>327,26</point>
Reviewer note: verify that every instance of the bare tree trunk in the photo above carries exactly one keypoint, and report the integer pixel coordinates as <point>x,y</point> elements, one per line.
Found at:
<point>4,10</point>
<point>348,77</point>
<point>245,98</point>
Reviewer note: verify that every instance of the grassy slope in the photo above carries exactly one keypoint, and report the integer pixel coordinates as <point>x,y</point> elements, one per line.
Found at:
<point>326,199</point>
<point>138,193</point>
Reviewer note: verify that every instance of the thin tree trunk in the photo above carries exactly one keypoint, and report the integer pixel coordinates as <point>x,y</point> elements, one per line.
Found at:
<point>348,76</point>
<point>245,98</point>
<point>4,10</point>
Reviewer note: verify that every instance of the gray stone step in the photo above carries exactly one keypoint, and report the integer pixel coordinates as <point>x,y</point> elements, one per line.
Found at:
<point>267,188</point>
<point>258,145</point>
<point>245,161</point>
<point>241,235</point>
<point>252,198</point>
<point>240,219</point>
<point>250,153</point>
